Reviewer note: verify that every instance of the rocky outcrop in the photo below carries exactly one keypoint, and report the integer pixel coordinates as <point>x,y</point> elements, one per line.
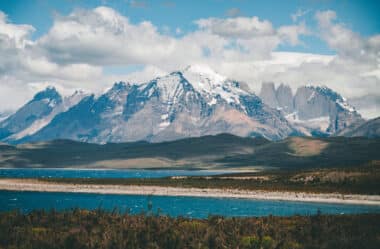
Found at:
<point>313,110</point>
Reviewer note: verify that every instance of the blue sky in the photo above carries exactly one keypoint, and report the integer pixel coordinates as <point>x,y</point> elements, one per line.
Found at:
<point>90,44</point>
<point>360,16</point>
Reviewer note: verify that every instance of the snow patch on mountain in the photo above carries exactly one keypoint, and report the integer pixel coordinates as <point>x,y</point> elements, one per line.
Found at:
<point>4,116</point>
<point>320,124</point>
<point>344,104</point>
<point>311,97</point>
<point>213,85</point>
<point>170,88</point>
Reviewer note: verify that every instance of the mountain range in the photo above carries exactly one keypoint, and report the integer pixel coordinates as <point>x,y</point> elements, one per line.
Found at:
<point>192,102</point>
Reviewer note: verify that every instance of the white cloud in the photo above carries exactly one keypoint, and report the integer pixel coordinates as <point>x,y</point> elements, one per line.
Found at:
<point>251,36</point>
<point>104,37</point>
<point>80,46</point>
<point>239,27</point>
<point>348,44</point>
<point>12,35</point>
<point>291,33</point>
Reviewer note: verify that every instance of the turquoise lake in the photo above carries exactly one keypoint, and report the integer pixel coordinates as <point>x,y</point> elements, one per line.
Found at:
<point>193,207</point>
<point>100,173</point>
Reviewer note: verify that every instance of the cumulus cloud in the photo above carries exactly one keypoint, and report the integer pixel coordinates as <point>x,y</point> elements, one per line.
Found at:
<point>79,47</point>
<point>102,36</point>
<point>254,37</point>
<point>349,45</point>
<point>239,27</point>
<point>24,67</point>
<point>12,35</point>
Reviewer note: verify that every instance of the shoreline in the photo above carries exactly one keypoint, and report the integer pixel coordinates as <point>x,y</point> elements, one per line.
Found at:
<point>237,170</point>
<point>32,185</point>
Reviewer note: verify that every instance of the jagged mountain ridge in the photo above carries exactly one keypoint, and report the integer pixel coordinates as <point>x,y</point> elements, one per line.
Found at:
<point>193,102</point>
<point>314,110</point>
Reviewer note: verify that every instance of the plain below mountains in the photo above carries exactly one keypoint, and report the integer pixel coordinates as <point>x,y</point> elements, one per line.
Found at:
<point>192,102</point>
<point>209,152</point>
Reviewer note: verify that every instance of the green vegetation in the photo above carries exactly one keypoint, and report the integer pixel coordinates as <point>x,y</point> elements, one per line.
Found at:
<point>220,151</point>
<point>358,180</point>
<point>99,229</point>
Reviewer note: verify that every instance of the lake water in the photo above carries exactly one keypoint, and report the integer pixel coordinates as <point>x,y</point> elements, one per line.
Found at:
<point>101,173</point>
<point>193,207</point>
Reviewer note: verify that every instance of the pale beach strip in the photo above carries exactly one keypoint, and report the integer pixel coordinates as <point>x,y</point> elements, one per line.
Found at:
<point>41,186</point>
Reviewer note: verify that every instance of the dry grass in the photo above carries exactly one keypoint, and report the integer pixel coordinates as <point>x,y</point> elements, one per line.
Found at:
<point>304,147</point>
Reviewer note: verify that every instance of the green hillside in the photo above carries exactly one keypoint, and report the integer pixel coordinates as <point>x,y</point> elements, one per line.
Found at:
<point>220,151</point>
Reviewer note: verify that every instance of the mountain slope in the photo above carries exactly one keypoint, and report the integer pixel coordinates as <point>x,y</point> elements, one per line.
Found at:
<point>370,129</point>
<point>220,151</point>
<point>39,107</point>
<point>37,114</point>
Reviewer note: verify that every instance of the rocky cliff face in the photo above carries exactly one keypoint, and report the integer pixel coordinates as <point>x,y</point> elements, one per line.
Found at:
<point>268,94</point>
<point>313,110</point>
<point>280,98</point>
<point>316,102</point>
<point>285,100</point>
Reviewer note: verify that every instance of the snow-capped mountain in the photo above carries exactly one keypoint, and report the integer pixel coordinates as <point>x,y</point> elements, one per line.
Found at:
<point>313,110</point>
<point>36,114</point>
<point>193,102</point>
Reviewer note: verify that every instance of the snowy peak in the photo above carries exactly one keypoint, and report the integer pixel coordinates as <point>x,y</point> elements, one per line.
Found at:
<point>49,96</point>
<point>38,113</point>
<point>331,95</point>
<point>120,87</point>
<point>118,92</point>
<point>213,85</point>
<point>203,73</point>
<point>171,87</point>
<point>50,93</point>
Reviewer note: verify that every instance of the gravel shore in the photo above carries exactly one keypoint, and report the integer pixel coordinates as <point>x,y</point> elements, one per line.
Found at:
<point>40,186</point>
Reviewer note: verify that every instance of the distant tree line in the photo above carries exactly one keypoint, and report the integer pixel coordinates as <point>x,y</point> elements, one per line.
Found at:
<point>359,180</point>
<point>78,228</point>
